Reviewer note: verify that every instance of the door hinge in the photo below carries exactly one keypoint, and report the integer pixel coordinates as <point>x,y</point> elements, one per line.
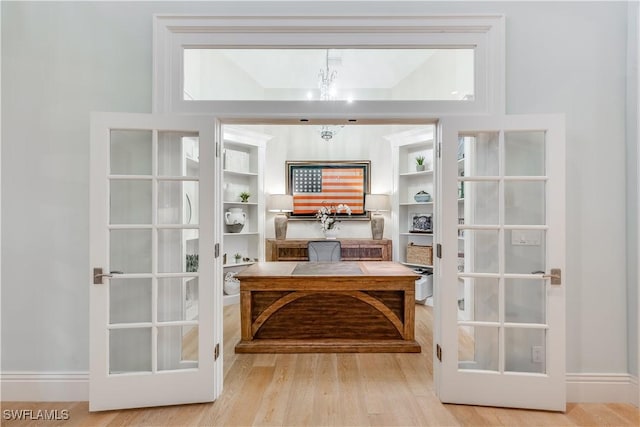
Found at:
<point>439,150</point>
<point>217,149</point>
<point>439,250</point>
<point>439,352</point>
<point>216,250</point>
<point>216,352</point>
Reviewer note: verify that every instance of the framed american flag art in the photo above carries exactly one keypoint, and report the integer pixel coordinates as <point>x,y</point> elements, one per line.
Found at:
<point>314,184</point>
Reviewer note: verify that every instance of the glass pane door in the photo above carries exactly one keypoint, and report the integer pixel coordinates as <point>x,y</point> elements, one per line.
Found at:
<point>507,321</point>
<point>148,243</point>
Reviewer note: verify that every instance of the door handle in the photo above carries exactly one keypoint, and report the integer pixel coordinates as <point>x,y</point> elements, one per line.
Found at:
<point>98,275</point>
<point>555,275</point>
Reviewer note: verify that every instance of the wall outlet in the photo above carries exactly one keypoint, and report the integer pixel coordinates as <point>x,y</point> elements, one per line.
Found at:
<point>537,354</point>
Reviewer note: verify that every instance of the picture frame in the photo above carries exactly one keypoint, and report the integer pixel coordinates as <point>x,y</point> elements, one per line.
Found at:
<point>314,184</point>
<point>420,222</point>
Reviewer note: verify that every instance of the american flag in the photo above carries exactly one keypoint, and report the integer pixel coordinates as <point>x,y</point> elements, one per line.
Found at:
<point>314,187</point>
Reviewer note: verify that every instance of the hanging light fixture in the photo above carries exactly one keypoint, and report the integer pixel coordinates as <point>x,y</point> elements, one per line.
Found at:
<point>328,92</point>
<point>326,81</point>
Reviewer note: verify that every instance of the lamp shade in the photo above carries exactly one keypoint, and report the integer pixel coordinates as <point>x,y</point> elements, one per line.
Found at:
<point>281,203</point>
<point>376,202</point>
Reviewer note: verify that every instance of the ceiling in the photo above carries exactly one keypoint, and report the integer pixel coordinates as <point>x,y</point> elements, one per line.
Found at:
<point>355,68</point>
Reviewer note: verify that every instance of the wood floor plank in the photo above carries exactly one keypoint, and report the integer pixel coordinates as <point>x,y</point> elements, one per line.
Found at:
<point>274,400</point>
<point>243,411</point>
<point>325,407</point>
<point>351,390</point>
<point>301,393</point>
<point>344,389</point>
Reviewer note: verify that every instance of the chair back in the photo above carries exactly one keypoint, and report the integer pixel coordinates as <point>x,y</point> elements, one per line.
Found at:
<point>324,250</point>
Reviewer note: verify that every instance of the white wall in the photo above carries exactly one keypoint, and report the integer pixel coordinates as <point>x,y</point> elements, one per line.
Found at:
<point>63,60</point>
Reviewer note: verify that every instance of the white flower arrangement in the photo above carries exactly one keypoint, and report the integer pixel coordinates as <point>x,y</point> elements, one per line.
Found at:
<point>327,215</point>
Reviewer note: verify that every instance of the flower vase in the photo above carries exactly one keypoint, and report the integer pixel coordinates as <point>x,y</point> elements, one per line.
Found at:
<point>331,233</point>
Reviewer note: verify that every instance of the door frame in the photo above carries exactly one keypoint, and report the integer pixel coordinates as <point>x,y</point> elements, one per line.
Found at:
<point>485,32</point>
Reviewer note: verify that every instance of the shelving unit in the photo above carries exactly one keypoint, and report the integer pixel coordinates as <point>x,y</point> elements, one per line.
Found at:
<point>190,243</point>
<point>243,157</point>
<point>465,290</point>
<point>406,146</point>
<point>408,181</point>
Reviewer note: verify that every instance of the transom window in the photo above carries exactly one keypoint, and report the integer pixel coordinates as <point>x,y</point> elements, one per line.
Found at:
<point>329,74</point>
<point>416,65</point>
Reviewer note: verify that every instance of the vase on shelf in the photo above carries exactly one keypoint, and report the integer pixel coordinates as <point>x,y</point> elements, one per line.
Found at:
<point>331,233</point>
<point>235,219</point>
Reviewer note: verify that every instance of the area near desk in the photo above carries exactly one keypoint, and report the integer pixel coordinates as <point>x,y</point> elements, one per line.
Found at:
<point>352,249</point>
<point>302,307</point>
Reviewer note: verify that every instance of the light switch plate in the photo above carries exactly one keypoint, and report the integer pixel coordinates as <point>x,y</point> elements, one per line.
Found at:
<point>526,237</point>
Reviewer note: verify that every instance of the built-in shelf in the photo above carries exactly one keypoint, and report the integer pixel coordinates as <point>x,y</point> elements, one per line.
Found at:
<point>243,157</point>
<point>406,147</point>
<point>417,265</point>
<point>238,264</point>
<point>417,173</point>
<point>229,202</point>
<point>416,203</point>
<point>231,172</point>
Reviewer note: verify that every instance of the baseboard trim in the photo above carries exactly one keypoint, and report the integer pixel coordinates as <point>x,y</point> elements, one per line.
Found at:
<point>44,386</point>
<point>602,388</point>
<point>74,387</point>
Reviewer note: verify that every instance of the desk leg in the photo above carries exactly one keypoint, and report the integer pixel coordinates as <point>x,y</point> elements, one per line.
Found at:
<point>245,316</point>
<point>409,314</point>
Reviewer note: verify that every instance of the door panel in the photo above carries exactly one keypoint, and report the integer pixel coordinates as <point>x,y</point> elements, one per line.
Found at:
<point>151,342</point>
<point>502,322</point>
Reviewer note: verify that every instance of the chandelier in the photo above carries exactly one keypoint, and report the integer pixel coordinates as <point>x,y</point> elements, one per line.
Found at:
<point>326,81</point>
<point>326,84</point>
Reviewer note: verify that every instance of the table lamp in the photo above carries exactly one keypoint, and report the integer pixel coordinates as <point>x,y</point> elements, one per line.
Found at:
<point>376,203</point>
<point>280,203</point>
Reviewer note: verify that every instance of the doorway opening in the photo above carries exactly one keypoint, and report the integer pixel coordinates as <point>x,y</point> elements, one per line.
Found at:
<point>391,146</point>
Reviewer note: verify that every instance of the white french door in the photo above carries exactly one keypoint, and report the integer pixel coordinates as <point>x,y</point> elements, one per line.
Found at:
<point>153,325</point>
<point>502,291</point>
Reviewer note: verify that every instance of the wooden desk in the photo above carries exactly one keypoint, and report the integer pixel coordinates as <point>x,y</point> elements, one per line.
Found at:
<point>303,307</point>
<point>352,249</point>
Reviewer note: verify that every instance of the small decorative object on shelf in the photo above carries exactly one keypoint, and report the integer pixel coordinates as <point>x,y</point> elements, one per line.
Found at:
<point>237,257</point>
<point>327,217</point>
<point>231,284</point>
<point>420,255</point>
<point>420,166</point>
<point>421,223</point>
<point>244,196</point>
<point>192,263</point>
<point>234,219</point>
<point>422,196</point>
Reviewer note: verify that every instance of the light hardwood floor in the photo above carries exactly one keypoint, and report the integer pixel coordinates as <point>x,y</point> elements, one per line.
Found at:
<point>331,390</point>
